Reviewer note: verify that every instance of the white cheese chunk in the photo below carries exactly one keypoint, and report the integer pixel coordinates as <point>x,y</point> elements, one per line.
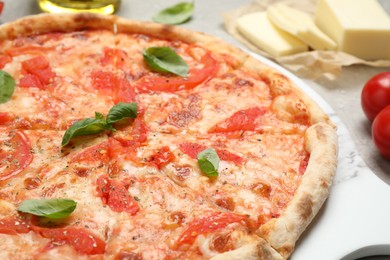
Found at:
<point>301,25</point>
<point>361,28</point>
<point>260,31</point>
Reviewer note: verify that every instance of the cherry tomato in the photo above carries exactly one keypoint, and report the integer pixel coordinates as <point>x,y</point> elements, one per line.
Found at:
<point>1,6</point>
<point>381,132</point>
<point>376,94</point>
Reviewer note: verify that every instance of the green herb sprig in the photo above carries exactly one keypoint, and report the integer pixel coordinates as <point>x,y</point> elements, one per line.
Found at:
<point>165,59</point>
<point>89,126</point>
<point>7,86</point>
<point>49,208</point>
<point>208,161</point>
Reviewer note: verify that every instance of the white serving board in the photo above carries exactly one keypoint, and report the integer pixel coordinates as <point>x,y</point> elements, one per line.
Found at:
<point>355,220</point>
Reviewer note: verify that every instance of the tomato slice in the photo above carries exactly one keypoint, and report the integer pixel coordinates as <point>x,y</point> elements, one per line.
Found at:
<point>140,131</point>
<point>97,153</point>
<point>115,194</point>
<point>82,240</point>
<point>124,92</point>
<point>244,120</point>
<point>115,57</point>
<point>14,225</point>
<point>31,49</point>
<point>4,59</point>
<point>31,81</point>
<point>162,157</point>
<point>127,145</point>
<point>171,84</point>
<point>37,72</point>
<point>15,155</point>
<point>228,156</point>
<point>138,135</point>
<point>192,150</point>
<point>105,153</point>
<point>36,63</point>
<point>109,84</point>
<point>207,224</point>
<point>5,118</point>
<point>40,67</point>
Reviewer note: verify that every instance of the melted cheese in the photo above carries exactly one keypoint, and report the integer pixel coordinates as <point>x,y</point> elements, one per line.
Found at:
<point>171,197</point>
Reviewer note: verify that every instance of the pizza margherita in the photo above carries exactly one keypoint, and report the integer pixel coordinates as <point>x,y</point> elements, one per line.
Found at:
<point>132,140</point>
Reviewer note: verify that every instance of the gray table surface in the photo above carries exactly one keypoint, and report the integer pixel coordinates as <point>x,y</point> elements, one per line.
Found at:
<point>343,94</point>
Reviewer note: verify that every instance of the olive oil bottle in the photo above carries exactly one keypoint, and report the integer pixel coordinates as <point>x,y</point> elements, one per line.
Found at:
<point>72,6</point>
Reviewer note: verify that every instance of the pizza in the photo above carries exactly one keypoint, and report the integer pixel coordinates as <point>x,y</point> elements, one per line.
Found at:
<point>107,155</point>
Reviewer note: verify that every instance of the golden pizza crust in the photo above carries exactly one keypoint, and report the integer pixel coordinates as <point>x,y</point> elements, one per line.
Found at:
<point>280,234</point>
<point>44,23</point>
<point>283,232</point>
<point>259,249</point>
<point>321,143</point>
<point>280,85</point>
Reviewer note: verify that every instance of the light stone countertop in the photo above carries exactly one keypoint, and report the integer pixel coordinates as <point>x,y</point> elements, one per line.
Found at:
<point>343,94</point>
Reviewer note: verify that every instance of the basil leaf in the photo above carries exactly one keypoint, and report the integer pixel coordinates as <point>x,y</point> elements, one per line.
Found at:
<point>7,86</point>
<point>175,14</point>
<point>87,126</point>
<point>49,208</point>
<point>208,161</point>
<point>99,116</point>
<point>121,111</point>
<point>164,59</point>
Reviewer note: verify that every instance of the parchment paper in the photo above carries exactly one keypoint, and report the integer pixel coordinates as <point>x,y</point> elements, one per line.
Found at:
<point>311,64</point>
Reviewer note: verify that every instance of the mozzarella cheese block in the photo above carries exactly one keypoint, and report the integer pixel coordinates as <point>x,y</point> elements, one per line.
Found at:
<point>301,25</point>
<point>361,28</point>
<point>260,31</point>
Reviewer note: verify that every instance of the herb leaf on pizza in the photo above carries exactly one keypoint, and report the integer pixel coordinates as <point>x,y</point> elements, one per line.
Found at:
<point>164,59</point>
<point>208,161</point>
<point>7,85</point>
<point>121,111</point>
<point>49,208</point>
<point>87,126</point>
